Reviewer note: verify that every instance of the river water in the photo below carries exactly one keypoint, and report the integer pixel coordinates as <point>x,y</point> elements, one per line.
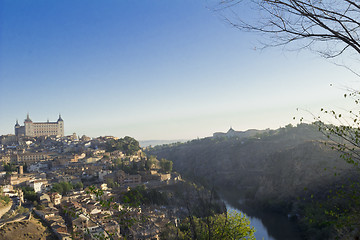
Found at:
<point>268,225</point>
<point>261,230</point>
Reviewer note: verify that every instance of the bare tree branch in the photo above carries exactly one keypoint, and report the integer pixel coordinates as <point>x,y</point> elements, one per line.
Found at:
<point>311,22</point>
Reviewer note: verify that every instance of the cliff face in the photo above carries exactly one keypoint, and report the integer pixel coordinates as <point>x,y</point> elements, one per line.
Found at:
<point>275,165</point>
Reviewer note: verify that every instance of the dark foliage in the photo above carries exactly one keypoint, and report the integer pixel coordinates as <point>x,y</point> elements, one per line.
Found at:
<point>127,145</point>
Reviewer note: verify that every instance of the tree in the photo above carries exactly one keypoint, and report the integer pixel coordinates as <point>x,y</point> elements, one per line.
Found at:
<point>62,187</point>
<point>229,225</point>
<point>166,165</point>
<point>128,145</point>
<point>342,128</point>
<point>29,193</point>
<point>150,162</point>
<point>341,210</point>
<point>330,28</point>
<point>79,185</point>
<point>9,167</point>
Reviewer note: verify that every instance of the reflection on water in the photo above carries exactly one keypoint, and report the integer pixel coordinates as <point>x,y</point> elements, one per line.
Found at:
<point>261,231</point>
<point>268,225</point>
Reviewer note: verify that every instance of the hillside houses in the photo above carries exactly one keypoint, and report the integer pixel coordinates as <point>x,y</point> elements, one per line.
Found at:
<point>43,162</point>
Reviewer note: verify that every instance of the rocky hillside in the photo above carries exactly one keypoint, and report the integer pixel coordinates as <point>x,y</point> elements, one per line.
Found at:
<point>274,165</point>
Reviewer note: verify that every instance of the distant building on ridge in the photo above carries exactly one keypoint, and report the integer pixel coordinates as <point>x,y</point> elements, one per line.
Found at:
<point>240,134</point>
<point>37,129</point>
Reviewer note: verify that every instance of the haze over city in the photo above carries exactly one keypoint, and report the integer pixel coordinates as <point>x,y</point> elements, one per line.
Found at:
<point>151,70</point>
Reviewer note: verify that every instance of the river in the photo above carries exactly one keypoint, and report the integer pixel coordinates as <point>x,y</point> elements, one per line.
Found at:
<point>268,225</point>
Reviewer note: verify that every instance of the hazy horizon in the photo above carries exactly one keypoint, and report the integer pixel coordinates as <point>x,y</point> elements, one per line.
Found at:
<point>151,70</point>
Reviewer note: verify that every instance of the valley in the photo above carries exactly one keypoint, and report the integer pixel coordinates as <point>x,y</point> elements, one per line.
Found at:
<point>285,170</point>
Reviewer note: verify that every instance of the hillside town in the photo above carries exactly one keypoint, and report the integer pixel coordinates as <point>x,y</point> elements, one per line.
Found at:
<point>80,186</point>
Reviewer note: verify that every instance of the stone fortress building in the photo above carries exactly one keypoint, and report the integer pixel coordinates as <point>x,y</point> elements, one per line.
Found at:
<point>36,129</point>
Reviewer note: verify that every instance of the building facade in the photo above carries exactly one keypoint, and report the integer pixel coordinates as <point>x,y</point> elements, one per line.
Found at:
<point>37,129</point>
<point>29,158</point>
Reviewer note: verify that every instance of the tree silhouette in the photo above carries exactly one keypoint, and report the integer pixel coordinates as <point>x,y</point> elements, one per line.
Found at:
<point>330,28</point>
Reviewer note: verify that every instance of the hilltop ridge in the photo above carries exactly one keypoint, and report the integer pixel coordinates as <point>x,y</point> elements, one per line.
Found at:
<point>270,164</point>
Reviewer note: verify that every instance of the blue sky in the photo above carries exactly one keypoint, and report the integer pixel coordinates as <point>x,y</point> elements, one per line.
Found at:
<point>150,69</point>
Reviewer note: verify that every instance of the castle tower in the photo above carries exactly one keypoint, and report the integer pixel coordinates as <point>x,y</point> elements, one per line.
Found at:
<point>60,123</point>
<point>28,124</point>
<point>17,126</point>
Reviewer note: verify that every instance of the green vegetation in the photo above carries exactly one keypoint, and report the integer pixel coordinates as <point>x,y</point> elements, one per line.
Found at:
<point>287,159</point>
<point>129,167</point>
<point>21,210</point>
<point>150,162</point>
<point>140,195</point>
<point>323,27</point>
<point>4,200</point>
<point>147,163</point>
<point>9,167</point>
<point>110,183</point>
<point>166,165</point>
<point>29,193</point>
<point>333,212</point>
<point>226,226</point>
<point>127,145</point>
<point>289,170</point>
<point>78,186</point>
<point>339,211</point>
<point>38,206</point>
<point>62,187</point>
